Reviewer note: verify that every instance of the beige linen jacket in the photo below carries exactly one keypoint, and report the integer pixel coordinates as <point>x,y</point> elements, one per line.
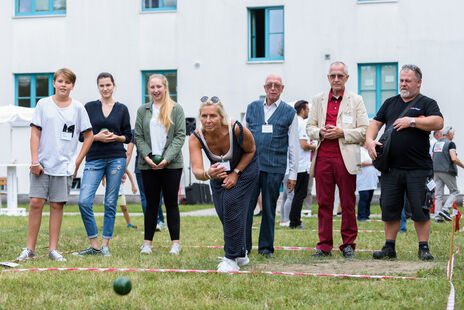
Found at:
<point>352,118</point>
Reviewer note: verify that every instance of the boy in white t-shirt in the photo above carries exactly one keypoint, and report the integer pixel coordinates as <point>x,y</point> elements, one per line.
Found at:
<point>57,122</point>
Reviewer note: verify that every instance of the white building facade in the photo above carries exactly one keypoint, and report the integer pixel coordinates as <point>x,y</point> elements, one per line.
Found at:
<point>226,48</point>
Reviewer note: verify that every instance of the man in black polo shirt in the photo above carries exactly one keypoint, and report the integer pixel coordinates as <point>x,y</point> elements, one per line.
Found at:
<point>409,160</point>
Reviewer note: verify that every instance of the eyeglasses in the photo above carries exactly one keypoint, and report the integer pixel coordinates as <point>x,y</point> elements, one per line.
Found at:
<point>273,85</point>
<point>213,99</point>
<point>339,76</point>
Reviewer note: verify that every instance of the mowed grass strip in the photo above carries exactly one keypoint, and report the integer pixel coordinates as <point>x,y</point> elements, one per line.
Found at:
<point>93,290</point>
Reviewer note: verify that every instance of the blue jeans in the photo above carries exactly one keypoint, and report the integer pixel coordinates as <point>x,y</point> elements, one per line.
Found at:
<point>93,173</point>
<point>403,221</point>
<point>143,198</point>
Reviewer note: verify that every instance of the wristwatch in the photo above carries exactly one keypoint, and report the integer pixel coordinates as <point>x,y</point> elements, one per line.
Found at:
<point>238,171</point>
<point>412,123</point>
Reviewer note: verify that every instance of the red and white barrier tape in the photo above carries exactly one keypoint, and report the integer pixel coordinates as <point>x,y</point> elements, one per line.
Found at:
<point>214,271</point>
<point>452,295</point>
<point>363,231</point>
<point>451,298</point>
<point>284,248</point>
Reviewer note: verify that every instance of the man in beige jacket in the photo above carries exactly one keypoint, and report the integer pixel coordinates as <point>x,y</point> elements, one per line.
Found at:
<point>338,121</point>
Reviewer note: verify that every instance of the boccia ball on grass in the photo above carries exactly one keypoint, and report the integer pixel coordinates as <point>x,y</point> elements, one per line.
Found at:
<point>122,286</point>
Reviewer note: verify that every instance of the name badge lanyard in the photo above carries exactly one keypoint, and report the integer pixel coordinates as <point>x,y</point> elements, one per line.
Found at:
<point>266,128</point>
<point>225,164</point>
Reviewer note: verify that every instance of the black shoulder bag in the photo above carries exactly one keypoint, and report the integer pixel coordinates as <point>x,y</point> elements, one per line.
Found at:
<point>381,162</point>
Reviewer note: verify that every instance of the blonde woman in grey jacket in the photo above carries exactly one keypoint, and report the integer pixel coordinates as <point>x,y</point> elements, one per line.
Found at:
<point>159,137</point>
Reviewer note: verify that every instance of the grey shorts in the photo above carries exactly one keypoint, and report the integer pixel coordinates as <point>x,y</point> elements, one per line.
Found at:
<point>49,187</point>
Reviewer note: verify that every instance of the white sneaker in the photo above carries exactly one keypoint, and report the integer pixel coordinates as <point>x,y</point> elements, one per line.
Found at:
<point>55,255</point>
<point>227,265</point>
<point>146,249</point>
<point>284,224</point>
<point>105,251</point>
<point>243,261</point>
<point>26,253</point>
<point>175,249</point>
<point>306,213</point>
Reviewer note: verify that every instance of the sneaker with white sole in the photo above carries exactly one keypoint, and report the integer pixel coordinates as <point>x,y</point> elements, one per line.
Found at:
<point>306,213</point>
<point>26,253</point>
<point>105,251</point>
<point>243,261</point>
<point>446,215</point>
<point>146,249</point>
<point>55,255</point>
<point>160,226</point>
<point>88,251</point>
<point>227,265</point>
<point>175,249</point>
<point>285,224</point>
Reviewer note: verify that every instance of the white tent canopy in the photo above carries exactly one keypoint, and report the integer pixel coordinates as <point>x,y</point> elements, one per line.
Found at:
<point>16,116</point>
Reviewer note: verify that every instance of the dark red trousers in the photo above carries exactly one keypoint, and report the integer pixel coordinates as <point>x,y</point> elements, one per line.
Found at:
<point>328,172</point>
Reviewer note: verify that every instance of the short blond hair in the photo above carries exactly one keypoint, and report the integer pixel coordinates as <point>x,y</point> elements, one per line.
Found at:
<point>66,73</point>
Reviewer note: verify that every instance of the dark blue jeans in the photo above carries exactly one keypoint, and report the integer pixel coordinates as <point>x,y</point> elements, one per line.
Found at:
<point>364,204</point>
<point>268,184</point>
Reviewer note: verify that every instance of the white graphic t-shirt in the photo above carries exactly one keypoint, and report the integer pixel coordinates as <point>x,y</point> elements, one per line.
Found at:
<point>60,129</point>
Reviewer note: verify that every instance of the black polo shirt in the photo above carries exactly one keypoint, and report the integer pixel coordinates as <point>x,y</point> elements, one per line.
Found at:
<point>409,148</point>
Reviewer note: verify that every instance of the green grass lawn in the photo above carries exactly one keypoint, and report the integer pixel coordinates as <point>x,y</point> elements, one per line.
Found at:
<point>93,290</point>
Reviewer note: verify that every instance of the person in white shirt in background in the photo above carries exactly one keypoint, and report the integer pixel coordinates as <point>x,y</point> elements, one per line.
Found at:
<point>308,201</point>
<point>437,135</point>
<point>366,183</point>
<point>304,162</point>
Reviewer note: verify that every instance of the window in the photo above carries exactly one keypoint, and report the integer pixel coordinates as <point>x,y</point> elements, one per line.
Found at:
<point>266,33</point>
<point>40,7</point>
<point>29,88</point>
<point>377,82</point>
<point>156,5</point>
<point>171,75</point>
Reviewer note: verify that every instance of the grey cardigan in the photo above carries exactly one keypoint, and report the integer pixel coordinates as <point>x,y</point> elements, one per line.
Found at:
<point>176,136</point>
